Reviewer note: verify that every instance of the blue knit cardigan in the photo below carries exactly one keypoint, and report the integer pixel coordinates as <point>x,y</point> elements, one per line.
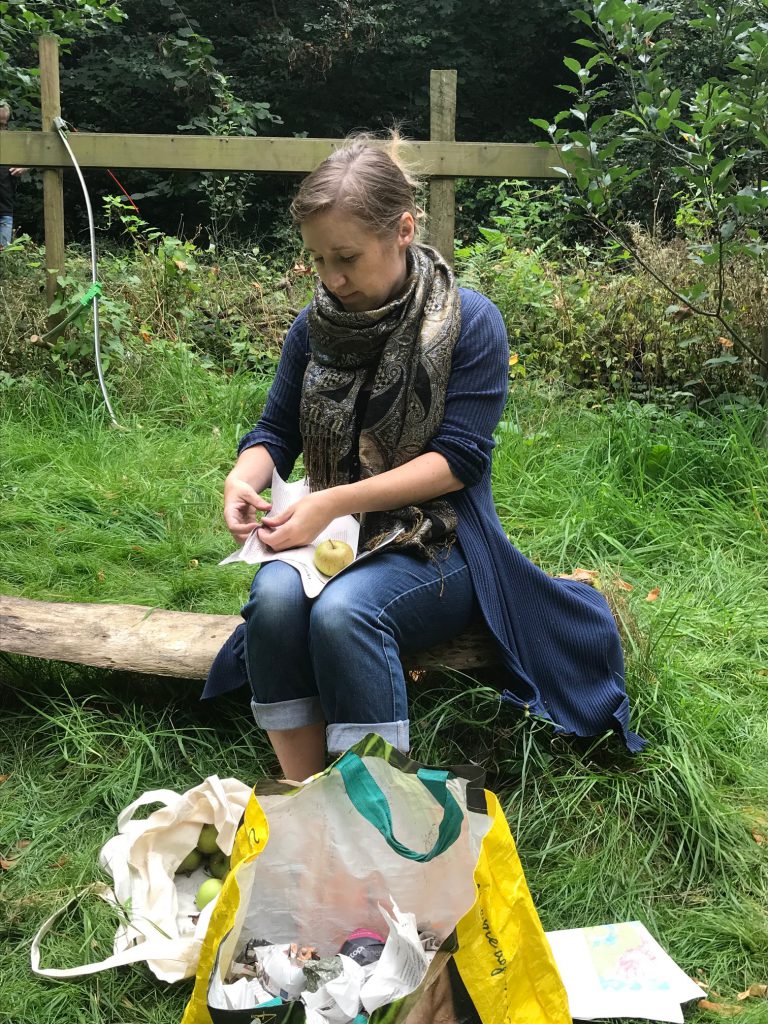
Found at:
<point>557,637</point>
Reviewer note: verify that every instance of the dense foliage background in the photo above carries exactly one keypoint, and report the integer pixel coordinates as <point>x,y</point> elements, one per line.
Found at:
<point>321,69</point>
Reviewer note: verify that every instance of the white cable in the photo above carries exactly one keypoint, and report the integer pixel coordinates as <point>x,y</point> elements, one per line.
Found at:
<point>61,127</point>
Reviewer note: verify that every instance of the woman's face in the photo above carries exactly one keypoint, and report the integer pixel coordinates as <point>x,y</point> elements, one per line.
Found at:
<point>356,265</point>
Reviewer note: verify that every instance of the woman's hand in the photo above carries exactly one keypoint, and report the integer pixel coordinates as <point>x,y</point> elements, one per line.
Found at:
<point>300,523</point>
<point>241,503</point>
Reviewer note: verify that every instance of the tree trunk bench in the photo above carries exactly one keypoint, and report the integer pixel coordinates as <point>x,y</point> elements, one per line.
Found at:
<point>134,638</point>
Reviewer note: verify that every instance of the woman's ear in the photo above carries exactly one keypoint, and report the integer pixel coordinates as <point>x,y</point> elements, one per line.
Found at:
<point>406,230</point>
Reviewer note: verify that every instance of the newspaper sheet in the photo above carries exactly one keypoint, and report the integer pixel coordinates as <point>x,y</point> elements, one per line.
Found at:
<point>346,529</point>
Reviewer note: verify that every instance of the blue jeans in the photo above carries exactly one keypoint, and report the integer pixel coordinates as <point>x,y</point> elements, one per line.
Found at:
<point>6,231</point>
<point>336,658</point>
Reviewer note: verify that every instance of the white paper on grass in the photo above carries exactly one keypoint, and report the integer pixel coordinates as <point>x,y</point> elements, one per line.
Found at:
<point>345,528</point>
<point>620,970</point>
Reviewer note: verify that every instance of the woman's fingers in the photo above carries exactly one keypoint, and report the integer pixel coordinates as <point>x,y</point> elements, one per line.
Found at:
<point>241,505</point>
<point>247,494</point>
<point>278,520</point>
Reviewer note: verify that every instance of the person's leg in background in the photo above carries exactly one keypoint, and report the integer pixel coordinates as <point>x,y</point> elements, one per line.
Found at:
<point>6,231</point>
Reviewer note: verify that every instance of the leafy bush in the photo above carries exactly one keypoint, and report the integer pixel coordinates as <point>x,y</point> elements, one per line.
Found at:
<point>710,135</point>
<point>229,309</point>
<point>576,313</point>
<point>592,321</point>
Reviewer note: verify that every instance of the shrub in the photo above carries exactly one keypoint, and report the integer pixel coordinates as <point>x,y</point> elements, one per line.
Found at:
<point>595,321</point>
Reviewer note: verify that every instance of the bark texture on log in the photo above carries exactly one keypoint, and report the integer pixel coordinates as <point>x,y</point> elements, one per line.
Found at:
<point>128,637</point>
<point>134,638</point>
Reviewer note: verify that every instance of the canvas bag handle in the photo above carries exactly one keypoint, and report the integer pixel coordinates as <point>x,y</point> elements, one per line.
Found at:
<point>125,822</point>
<point>161,949</point>
<point>365,794</point>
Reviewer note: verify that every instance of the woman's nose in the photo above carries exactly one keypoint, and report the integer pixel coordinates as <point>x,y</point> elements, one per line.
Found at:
<point>336,280</point>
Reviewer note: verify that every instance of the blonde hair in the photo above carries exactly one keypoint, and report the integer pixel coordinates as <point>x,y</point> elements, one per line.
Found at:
<point>364,178</point>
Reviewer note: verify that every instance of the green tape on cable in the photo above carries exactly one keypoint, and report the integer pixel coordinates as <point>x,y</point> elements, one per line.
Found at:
<point>93,291</point>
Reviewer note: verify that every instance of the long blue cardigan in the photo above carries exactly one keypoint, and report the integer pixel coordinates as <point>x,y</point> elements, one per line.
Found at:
<point>557,637</point>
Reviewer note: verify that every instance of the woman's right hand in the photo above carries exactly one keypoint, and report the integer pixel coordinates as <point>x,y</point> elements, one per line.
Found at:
<point>241,503</point>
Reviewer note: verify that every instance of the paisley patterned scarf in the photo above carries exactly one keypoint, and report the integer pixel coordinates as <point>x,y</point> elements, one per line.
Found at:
<point>374,393</point>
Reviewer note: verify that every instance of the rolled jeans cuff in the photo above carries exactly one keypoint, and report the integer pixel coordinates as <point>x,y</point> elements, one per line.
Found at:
<point>288,714</point>
<point>340,737</point>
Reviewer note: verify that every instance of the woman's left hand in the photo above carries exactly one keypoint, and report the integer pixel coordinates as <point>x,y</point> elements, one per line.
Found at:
<point>299,524</point>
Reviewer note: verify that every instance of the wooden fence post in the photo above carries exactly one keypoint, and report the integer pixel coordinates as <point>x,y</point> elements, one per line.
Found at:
<point>53,193</point>
<point>442,128</point>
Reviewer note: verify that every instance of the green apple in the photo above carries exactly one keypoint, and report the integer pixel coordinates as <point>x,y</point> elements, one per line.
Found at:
<point>218,865</point>
<point>331,556</point>
<point>191,862</point>
<point>207,841</point>
<point>208,891</point>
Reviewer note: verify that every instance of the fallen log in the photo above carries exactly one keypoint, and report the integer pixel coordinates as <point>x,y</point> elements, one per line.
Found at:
<point>153,641</point>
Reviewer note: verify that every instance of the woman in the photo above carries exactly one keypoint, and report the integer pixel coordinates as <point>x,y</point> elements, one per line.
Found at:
<point>391,383</point>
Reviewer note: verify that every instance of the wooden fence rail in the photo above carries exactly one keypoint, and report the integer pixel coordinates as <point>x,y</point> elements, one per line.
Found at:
<point>441,159</point>
<point>266,153</point>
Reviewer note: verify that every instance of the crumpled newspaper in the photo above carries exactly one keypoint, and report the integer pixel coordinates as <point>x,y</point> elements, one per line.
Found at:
<point>334,989</point>
<point>337,1001</point>
<point>403,963</point>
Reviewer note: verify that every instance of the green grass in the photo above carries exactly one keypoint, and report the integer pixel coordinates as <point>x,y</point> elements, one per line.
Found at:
<point>93,513</point>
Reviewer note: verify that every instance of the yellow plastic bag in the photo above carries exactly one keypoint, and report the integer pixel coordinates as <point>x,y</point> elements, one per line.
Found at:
<point>313,863</point>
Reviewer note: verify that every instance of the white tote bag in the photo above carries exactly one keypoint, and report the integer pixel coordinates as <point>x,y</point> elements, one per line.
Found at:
<point>160,922</point>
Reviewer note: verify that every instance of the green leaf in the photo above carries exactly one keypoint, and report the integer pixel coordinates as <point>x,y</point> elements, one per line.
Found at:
<point>727,360</point>
<point>655,19</point>
<point>572,64</point>
<point>684,127</point>
<point>724,167</point>
<point>696,293</point>
<point>615,11</point>
<point>727,230</point>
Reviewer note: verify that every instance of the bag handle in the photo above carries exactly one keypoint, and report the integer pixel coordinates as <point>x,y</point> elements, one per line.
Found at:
<point>364,792</point>
<point>160,949</point>
<point>154,796</point>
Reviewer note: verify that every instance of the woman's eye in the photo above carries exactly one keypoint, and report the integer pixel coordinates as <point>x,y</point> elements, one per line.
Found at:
<point>348,259</point>
<point>317,259</point>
